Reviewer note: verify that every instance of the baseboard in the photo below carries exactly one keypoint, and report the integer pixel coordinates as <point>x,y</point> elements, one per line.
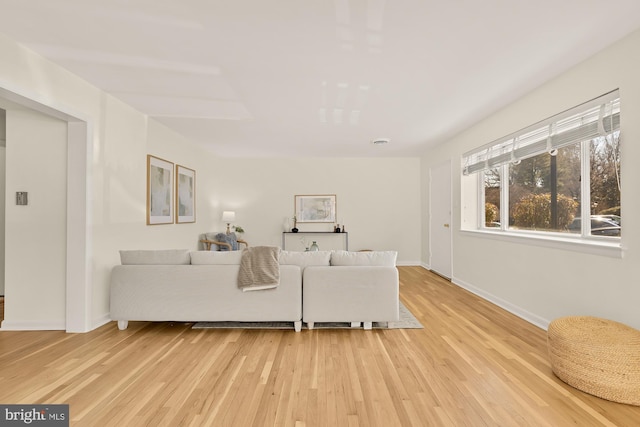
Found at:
<point>101,321</point>
<point>408,263</point>
<point>511,308</point>
<point>8,325</point>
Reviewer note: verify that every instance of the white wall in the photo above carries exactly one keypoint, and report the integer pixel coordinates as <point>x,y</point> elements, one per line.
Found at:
<point>120,139</point>
<point>541,283</point>
<point>119,192</point>
<point>36,233</point>
<point>377,199</point>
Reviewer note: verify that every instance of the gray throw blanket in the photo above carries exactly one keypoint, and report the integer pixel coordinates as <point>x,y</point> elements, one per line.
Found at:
<point>259,268</point>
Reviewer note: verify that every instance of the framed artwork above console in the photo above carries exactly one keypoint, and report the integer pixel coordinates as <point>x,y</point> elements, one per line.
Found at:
<point>315,208</point>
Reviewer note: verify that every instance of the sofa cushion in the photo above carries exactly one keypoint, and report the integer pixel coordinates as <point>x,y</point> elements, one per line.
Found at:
<point>378,258</point>
<point>304,259</point>
<point>155,257</point>
<point>216,258</point>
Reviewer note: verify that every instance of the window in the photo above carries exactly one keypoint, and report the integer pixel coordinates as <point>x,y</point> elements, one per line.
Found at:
<point>544,191</point>
<point>547,177</point>
<point>492,198</point>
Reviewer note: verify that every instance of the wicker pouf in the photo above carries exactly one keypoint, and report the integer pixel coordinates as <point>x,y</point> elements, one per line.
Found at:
<point>598,356</point>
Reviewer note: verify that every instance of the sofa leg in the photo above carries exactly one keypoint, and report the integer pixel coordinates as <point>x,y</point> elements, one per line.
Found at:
<point>122,324</point>
<point>297,326</point>
<point>368,325</point>
<point>355,324</point>
<point>310,325</point>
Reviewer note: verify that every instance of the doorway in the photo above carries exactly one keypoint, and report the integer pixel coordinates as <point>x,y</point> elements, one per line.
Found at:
<point>78,271</point>
<point>440,245</point>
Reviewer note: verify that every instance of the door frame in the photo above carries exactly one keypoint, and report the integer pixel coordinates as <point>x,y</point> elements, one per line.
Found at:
<point>79,155</point>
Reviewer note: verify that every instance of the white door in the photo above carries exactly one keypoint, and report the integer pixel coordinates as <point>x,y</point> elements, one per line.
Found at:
<point>440,219</point>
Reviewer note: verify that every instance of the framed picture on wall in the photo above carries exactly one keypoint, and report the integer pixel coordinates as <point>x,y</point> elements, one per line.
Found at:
<point>159,191</point>
<point>185,195</point>
<point>321,208</point>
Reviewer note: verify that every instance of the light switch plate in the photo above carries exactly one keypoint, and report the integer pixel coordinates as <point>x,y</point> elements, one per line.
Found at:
<point>22,198</point>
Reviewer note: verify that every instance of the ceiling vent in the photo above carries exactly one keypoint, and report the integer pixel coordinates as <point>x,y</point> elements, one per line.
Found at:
<point>380,141</point>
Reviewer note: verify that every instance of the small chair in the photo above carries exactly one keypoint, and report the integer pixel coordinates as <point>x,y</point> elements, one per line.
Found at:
<point>221,242</point>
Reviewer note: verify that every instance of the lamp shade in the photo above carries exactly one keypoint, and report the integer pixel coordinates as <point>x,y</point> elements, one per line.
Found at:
<point>228,216</point>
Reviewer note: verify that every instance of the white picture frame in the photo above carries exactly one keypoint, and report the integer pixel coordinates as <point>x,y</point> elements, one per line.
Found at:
<point>185,195</point>
<point>160,203</point>
<point>315,208</point>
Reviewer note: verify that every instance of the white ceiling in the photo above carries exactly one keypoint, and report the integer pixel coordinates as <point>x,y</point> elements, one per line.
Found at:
<point>317,78</point>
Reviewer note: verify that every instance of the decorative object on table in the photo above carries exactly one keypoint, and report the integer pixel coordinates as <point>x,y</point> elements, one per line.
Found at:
<point>159,191</point>
<point>295,225</point>
<point>336,229</point>
<point>314,247</point>
<point>329,240</point>
<point>320,208</point>
<point>343,230</point>
<point>185,195</point>
<point>239,231</point>
<point>305,244</point>
<point>228,217</point>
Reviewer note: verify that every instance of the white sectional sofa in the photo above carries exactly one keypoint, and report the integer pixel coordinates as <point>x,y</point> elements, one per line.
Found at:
<point>179,285</point>
<point>357,287</point>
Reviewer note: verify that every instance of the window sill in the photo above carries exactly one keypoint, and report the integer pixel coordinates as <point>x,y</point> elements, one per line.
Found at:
<point>612,249</point>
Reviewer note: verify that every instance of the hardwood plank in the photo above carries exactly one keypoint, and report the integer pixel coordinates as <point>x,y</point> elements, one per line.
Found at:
<point>473,364</point>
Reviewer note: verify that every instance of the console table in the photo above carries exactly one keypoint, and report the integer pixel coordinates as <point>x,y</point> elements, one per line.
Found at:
<point>327,240</point>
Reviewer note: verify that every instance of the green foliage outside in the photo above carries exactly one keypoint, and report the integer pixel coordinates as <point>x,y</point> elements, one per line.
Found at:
<point>491,213</point>
<point>534,211</point>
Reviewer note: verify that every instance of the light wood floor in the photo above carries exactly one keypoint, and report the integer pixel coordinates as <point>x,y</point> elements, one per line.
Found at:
<point>472,365</point>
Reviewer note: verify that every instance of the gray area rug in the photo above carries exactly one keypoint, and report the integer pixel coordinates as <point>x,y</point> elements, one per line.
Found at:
<point>407,321</point>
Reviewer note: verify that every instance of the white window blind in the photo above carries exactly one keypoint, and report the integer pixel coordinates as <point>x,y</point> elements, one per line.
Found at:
<point>598,117</point>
